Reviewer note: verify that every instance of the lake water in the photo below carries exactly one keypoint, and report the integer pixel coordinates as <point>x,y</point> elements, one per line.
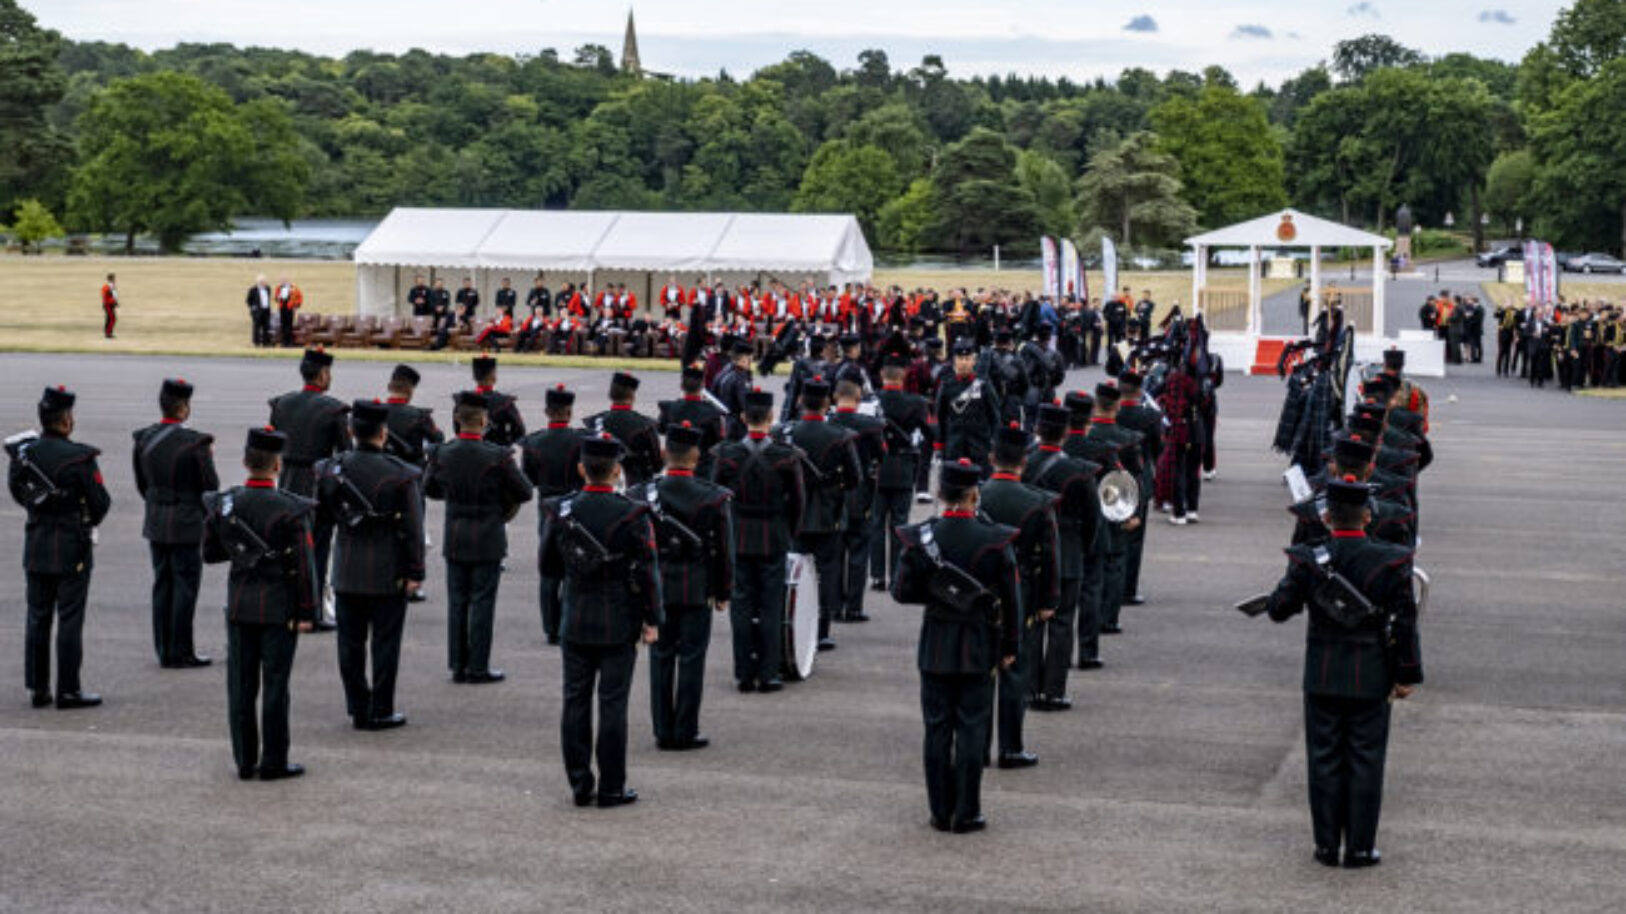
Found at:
<point>318,239</point>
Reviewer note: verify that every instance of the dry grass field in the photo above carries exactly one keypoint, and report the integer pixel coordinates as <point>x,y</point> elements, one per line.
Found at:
<point>194,306</point>
<point>1507,293</point>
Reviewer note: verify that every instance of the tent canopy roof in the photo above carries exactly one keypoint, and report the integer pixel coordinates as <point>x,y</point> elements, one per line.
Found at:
<point>584,240</point>
<point>1270,231</point>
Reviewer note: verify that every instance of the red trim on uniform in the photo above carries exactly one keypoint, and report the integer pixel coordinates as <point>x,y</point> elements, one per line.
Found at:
<point>483,388</point>
<point>1129,403</point>
<point>396,400</point>
<point>169,422</point>
<point>675,472</point>
<point>470,436</point>
<point>1349,534</point>
<point>1007,477</point>
<point>959,514</point>
<point>260,484</point>
<point>846,409</point>
<point>1103,420</point>
<point>558,425</point>
<point>812,417</point>
<point>311,389</point>
<point>693,398</point>
<point>1074,431</point>
<point>968,378</point>
<point>621,407</point>
<point>891,386</point>
<point>758,436</point>
<point>599,489</point>
<point>1050,448</point>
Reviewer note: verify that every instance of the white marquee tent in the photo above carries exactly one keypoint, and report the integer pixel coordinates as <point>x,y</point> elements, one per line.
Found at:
<point>638,248</point>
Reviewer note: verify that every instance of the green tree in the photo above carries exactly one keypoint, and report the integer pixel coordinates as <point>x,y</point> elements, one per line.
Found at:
<point>905,224</point>
<point>1509,189</point>
<point>1051,190</point>
<point>848,179</point>
<point>34,224</point>
<point>1589,34</point>
<point>1357,58</point>
<point>170,154</point>
<point>1578,148</point>
<point>900,133</point>
<point>979,201</point>
<point>31,81</point>
<point>1231,163</point>
<point>1133,189</point>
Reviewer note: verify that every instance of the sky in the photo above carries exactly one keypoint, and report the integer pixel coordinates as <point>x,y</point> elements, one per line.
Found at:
<point>1267,40</point>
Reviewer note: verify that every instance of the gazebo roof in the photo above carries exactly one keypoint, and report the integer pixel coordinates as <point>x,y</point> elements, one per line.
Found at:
<point>1288,228</point>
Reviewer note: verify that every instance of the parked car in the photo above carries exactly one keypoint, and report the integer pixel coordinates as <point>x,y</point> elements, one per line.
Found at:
<point>1595,263</point>
<point>1500,254</point>
<point>1562,258</point>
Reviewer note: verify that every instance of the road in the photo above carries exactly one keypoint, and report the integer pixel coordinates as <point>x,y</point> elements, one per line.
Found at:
<point>1178,782</point>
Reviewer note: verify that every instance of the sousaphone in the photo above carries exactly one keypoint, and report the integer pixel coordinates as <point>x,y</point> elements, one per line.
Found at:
<point>1120,496</point>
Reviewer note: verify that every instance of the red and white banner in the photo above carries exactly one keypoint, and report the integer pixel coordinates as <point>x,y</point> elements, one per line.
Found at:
<point>1540,273</point>
<point>1071,275</point>
<point>1047,250</point>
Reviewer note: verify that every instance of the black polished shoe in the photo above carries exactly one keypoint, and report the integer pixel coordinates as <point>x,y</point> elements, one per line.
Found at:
<point>460,676</point>
<point>827,644</point>
<point>1047,704</point>
<point>1018,760</point>
<point>323,625</point>
<point>1360,860</point>
<point>583,797</point>
<point>878,585</point>
<point>246,774</point>
<point>1136,600</point>
<point>1112,628</point>
<point>970,825</point>
<point>1326,856</point>
<point>489,676</point>
<point>698,741</point>
<point>553,639</point>
<point>858,617</point>
<point>69,700</point>
<point>416,596</point>
<point>289,770</point>
<point>1091,663</point>
<point>40,699</point>
<point>940,824</point>
<point>193,662</point>
<point>626,797</point>
<point>387,722</point>
<point>746,685</point>
<point>771,685</point>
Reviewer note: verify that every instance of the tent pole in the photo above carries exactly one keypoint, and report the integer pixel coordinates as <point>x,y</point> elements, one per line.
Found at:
<point>1255,319</point>
<point>1378,288</point>
<point>1315,282</point>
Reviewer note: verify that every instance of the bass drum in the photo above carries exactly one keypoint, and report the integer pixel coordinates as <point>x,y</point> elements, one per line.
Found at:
<point>801,616</point>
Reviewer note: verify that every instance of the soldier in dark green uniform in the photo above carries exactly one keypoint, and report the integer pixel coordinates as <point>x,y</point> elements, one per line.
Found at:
<point>1392,522</point>
<point>640,440</point>
<point>766,479</point>
<point>483,490</point>
<point>271,595</point>
<point>1134,414</point>
<point>375,502</point>
<point>1106,558</point>
<point>832,473</point>
<point>603,546</point>
<point>550,458</point>
<point>1031,512</point>
<point>694,536</point>
<point>57,481</point>
<point>504,424</point>
<point>1078,513</point>
<point>1106,437</point>
<point>962,568</point>
<point>174,466</point>
<point>411,432</point>
<point>906,420</point>
<point>967,409</point>
<point>699,412</point>
<point>731,385</point>
<point>316,428</point>
<point>870,443</point>
<point>1357,658</point>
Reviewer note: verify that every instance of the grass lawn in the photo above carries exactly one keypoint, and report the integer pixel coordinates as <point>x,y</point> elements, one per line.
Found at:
<point>195,306</point>
<point>1508,293</point>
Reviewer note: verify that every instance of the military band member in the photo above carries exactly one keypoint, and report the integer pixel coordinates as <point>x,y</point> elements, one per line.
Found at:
<point>640,441</point>
<point>1355,662</point>
<point>550,458</point>
<point>271,595</point>
<point>1125,445</point>
<point>1104,564</point>
<point>1352,455</point>
<point>851,366</point>
<point>418,298</point>
<point>832,473</point>
<point>967,410</point>
<point>483,490</point>
<point>695,409</point>
<point>870,443</point>
<point>962,568</point>
<point>1137,416</point>
<point>603,546</point>
<point>375,502</point>
<point>765,476</point>
<point>732,384</point>
<point>174,466</point>
<point>316,428</point>
<point>1031,512</point>
<point>694,536</point>
<point>504,424</point>
<point>906,420</point>
<point>57,482</point>
<point>1078,514</point>
<point>411,430</point>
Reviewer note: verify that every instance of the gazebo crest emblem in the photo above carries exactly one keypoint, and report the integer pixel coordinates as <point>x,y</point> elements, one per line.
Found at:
<point>1286,232</point>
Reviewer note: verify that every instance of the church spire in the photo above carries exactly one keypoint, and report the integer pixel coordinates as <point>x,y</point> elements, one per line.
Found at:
<point>629,49</point>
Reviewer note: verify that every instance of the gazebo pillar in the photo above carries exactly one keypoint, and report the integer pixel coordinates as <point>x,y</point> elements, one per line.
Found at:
<point>1378,288</point>
<point>1256,320</point>
<point>1199,277</point>
<point>1315,281</point>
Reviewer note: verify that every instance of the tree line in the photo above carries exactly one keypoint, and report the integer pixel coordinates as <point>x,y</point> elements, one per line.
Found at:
<point>108,138</point>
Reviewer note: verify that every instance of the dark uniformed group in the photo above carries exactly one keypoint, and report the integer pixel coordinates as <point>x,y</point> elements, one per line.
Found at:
<point>648,526</point>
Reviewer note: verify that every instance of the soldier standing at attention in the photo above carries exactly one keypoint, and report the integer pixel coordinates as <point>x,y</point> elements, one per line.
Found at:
<point>1106,436</point>
<point>698,412</point>
<point>174,467</point>
<point>110,306</point>
<point>870,443</point>
<point>1147,421</point>
<point>57,481</point>
<point>1078,512</point>
<point>504,425</point>
<point>376,502</point>
<point>639,439</point>
<point>732,384</point>
<point>549,459</point>
<point>271,595</point>
<point>483,490</point>
<point>963,570</point>
<point>967,410</point>
<point>906,423</point>
<point>315,426</point>
<point>1359,654</point>
<point>694,535</point>
<point>1031,512</point>
<point>833,472</point>
<point>766,478</point>
<point>603,546</point>
<point>410,432</point>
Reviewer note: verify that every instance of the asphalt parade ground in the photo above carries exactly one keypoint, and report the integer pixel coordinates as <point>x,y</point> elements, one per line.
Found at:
<point>1177,782</point>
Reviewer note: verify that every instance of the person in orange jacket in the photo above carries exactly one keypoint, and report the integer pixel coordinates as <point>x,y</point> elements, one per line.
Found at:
<point>110,306</point>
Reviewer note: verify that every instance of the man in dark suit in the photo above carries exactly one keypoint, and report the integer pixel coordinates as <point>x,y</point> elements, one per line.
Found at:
<point>636,432</point>
<point>965,635</point>
<point>376,503</point>
<point>906,421</point>
<point>468,302</point>
<point>1078,513</point>
<point>967,410</point>
<point>732,384</point>
<point>174,467</point>
<point>697,411</point>
<point>504,424</point>
<point>271,595</point>
<point>409,434</point>
<point>316,428</point>
<point>765,476</point>
<point>483,490</point>
<point>259,310</point>
<point>694,535</point>
<point>57,481</point>
<point>549,458</point>
<point>1134,414</point>
<point>869,442</point>
<point>603,546</point>
<point>1357,659</point>
<point>1106,437</point>
<point>418,298</point>
<point>834,472</point>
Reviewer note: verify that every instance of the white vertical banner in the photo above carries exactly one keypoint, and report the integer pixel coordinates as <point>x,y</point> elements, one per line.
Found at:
<point>1069,269</point>
<point>1109,268</point>
<point>1532,270</point>
<point>1549,273</point>
<point>1047,249</point>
